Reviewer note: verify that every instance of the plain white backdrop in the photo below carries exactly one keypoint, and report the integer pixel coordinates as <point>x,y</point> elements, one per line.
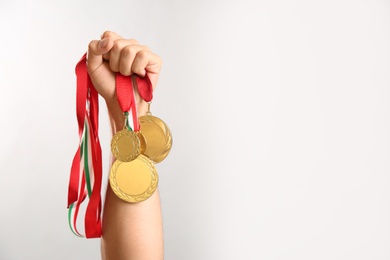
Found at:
<point>279,112</point>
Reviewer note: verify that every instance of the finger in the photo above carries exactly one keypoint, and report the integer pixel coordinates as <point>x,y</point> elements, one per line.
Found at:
<point>96,49</point>
<point>115,53</point>
<point>127,57</point>
<point>110,35</point>
<point>146,62</point>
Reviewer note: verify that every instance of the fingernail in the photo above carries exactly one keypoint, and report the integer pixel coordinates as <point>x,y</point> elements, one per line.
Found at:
<point>103,43</point>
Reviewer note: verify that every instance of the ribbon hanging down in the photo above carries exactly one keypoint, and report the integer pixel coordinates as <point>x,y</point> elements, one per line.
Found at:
<point>86,171</point>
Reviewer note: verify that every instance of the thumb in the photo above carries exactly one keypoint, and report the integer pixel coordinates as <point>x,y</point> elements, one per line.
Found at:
<point>96,49</point>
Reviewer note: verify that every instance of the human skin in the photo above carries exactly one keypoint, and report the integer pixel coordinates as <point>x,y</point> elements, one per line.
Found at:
<point>131,231</point>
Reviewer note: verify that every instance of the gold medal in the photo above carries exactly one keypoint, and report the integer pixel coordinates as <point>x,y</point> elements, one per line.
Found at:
<point>157,136</point>
<point>134,181</point>
<point>125,145</point>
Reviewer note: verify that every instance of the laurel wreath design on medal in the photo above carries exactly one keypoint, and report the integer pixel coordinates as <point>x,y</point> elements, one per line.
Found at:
<point>125,145</point>
<point>140,197</point>
<point>164,144</point>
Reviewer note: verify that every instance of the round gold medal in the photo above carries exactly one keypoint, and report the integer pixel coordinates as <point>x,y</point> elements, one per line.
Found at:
<point>157,136</point>
<point>134,181</point>
<point>125,145</point>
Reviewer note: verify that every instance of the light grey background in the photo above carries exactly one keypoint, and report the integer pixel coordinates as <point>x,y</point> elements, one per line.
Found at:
<point>279,112</point>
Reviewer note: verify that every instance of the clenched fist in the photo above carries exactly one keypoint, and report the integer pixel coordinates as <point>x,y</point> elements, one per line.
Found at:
<point>112,54</point>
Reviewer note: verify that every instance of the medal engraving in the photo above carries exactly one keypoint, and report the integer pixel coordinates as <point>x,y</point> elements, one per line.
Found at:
<point>125,145</point>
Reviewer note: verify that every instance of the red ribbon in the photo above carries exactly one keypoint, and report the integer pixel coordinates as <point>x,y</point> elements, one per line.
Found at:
<point>87,95</point>
<point>145,88</point>
<point>125,93</point>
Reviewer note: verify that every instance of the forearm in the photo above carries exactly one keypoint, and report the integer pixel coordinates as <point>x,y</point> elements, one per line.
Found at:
<point>131,231</point>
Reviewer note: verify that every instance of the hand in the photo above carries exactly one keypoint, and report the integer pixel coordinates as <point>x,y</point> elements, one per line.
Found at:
<point>114,54</point>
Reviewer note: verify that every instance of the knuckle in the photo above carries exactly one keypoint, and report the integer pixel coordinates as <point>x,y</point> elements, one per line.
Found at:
<point>127,51</point>
<point>133,41</point>
<point>116,47</point>
<point>142,54</point>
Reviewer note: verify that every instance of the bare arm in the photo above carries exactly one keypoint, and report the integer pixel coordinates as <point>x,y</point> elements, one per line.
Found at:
<point>131,231</point>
